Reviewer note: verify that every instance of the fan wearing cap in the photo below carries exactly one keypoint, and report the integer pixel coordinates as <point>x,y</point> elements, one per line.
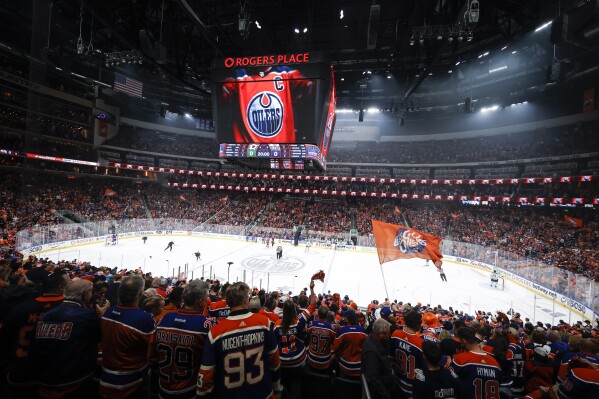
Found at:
<point>161,285</point>
<point>538,371</point>
<point>479,372</point>
<point>18,332</point>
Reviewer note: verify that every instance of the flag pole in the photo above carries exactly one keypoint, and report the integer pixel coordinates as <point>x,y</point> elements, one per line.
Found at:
<point>385,282</point>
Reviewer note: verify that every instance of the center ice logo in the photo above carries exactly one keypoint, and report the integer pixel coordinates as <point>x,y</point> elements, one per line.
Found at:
<point>265,114</point>
<point>409,241</point>
<point>269,264</point>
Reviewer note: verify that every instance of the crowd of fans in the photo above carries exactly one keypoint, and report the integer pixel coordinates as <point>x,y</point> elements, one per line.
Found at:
<point>153,335</point>
<point>540,233</point>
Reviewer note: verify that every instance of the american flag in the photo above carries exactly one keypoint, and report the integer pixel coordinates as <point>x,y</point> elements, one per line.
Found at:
<point>127,85</point>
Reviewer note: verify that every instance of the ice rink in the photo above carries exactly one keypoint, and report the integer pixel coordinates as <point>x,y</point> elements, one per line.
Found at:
<point>355,273</point>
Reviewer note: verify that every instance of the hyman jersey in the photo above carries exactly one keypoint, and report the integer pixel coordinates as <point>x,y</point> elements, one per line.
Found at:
<point>262,104</point>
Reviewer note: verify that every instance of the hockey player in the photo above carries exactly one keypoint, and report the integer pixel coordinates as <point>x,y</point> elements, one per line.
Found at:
<point>279,252</point>
<point>442,274</point>
<point>494,278</point>
<point>308,245</point>
<point>170,246</point>
<point>144,239</point>
<point>198,255</point>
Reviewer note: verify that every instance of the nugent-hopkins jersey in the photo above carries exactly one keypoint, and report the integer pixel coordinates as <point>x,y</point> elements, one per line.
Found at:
<point>262,104</point>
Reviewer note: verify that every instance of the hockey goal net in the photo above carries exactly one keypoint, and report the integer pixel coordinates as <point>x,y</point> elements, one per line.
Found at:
<point>111,240</point>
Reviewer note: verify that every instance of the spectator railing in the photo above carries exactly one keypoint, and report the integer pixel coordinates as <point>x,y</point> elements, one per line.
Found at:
<point>575,286</point>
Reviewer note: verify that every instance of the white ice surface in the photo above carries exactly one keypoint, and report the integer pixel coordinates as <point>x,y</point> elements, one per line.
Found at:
<point>354,273</point>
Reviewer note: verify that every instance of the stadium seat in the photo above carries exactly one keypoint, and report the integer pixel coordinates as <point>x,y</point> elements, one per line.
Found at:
<point>345,388</point>
<point>315,385</point>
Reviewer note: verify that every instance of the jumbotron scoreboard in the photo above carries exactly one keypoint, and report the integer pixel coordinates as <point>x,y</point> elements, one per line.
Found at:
<point>274,111</point>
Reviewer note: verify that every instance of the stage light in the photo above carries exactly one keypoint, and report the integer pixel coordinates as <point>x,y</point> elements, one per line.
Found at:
<point>503,48</point>
<point>296,30</point>
<point>305,30</point>
<point>341,14</point>
<point>514,52</point>
<point>458,63</point>
<point>257,24</point>
<point>546,24</point>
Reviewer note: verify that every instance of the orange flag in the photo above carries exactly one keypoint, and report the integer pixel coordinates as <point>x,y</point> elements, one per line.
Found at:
<point>573,221</point>
<point>399,242</point>
<point>109,193</point>
<point>397,210</point>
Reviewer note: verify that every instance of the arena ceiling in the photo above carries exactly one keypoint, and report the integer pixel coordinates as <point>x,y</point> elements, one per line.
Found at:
<point>179,38</point>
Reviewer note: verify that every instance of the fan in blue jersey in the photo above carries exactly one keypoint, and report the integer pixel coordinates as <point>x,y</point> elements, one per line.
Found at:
<point>405,352</point>
<point>290,333</point>
<point>321,338</point>
<point>66,344</point>
<point>18,332</point>
<point>178,344</point>
<point>433,381</point>
<point>241,357</point>
<point>126,333</point>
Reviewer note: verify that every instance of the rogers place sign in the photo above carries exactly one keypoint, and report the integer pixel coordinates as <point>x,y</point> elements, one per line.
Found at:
<point>281,59</point>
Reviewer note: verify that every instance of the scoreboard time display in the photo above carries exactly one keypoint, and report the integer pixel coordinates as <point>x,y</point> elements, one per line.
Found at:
<point>284,100</point>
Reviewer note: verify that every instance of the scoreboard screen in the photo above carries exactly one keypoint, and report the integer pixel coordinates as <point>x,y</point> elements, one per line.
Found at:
<point>275,106</point>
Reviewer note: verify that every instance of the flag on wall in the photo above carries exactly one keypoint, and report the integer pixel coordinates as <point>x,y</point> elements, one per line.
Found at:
<point>109,193</point>
<point>127,85</point>
<point>399,242</point>
<point>573,221</point>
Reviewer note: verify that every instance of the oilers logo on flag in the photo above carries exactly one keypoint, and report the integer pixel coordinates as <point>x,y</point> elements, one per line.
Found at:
<point>265,114</point>
<point>409,241</point>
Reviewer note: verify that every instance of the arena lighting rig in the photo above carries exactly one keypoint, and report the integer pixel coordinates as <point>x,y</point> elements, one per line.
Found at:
<point>123,57</point>
<point>439,32</point>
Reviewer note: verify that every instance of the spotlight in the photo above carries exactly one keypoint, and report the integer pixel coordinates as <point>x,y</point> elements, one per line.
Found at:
<point>439,37</point>
<point>257,24</point>
<point>388,76</point>
<point>412,41</point>
<point>460,38</point>
<point>450,40</point>
<point>421,40</point>
<point>296,30</point>
<point>305,30</point>
<point>341,14</point>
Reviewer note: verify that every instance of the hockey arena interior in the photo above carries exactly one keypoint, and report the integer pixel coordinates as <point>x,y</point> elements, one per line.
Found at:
<point>299,199</point>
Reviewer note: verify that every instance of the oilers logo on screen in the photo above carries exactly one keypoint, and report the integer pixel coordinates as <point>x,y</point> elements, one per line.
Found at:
<point>409,241</point>
<point>265,114</point>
